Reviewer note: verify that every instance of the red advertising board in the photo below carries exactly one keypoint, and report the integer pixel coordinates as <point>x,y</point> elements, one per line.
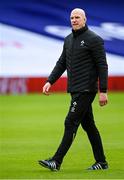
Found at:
<point>34,85</point>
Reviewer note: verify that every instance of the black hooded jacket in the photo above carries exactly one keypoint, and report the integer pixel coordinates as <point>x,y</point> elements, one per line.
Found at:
<point>84,58</point>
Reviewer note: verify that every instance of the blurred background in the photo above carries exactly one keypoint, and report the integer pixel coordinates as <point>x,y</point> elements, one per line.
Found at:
<point>32,34</point>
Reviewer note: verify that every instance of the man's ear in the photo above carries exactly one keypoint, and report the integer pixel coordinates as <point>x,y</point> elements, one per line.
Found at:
<point>85,19</point>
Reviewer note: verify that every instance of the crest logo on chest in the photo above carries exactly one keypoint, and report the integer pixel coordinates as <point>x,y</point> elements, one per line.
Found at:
<point>82,43</point>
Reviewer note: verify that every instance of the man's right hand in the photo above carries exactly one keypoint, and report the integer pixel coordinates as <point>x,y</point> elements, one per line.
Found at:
<point>46,88</point>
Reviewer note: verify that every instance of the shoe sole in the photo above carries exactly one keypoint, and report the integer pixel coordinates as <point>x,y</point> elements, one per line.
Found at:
<point>47,166</point>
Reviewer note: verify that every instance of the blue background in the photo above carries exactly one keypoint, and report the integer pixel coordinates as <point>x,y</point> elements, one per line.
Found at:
<point>34,15</point>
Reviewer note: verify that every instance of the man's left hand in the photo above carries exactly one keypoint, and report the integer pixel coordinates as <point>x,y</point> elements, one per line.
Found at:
<point>103,99</point>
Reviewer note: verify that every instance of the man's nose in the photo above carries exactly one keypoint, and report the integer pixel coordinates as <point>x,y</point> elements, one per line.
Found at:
<point>74,20</point>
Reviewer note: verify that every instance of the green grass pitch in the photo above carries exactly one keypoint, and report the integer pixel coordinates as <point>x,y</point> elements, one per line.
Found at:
<point>31,128</point>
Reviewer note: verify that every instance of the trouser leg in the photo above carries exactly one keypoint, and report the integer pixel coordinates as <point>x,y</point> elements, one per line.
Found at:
<point>79,106</point>
<point>89,126</point>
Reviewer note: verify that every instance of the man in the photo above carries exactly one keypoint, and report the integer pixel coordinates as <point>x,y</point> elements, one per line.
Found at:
<point>83,57</point>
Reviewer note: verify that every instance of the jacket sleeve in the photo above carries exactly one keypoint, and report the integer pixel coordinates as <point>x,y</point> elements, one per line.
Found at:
<point>59,68</point>
<point>99,56</point>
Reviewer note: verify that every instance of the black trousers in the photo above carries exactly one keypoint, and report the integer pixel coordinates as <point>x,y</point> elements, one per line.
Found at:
<point>80,112</point>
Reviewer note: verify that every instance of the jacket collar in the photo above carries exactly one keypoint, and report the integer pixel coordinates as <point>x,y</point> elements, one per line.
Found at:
<point>80,31</point>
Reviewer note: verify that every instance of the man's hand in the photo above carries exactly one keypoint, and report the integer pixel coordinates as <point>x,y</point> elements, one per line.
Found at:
<point>103,99</point>
<point>46,88</point>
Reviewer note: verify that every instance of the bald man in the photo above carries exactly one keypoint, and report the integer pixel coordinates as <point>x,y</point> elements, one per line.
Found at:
<point>84,58</point>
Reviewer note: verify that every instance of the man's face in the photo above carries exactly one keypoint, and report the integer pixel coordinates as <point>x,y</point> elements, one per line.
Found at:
<point>77,20</point>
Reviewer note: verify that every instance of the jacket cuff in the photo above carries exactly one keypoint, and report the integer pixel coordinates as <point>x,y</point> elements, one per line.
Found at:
<point>49,81</point>
<point>103,90</point>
